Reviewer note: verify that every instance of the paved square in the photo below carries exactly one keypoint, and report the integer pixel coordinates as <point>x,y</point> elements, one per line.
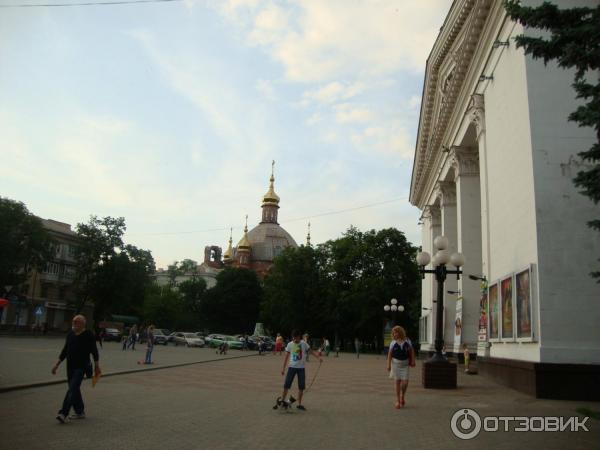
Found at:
<point>227,404</point>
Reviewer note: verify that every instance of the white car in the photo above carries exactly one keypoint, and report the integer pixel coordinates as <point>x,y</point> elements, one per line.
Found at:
<point>187,339</point>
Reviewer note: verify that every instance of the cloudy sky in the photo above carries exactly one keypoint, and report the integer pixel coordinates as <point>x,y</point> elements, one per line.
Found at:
<point>169,114</point>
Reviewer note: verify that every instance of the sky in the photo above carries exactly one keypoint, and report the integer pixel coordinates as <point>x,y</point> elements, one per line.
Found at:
<point>170,113</point>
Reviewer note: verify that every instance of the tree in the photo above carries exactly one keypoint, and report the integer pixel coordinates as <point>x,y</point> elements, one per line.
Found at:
<point>188,266</point>
<point>24,243</point>
<point>294,294</point>
<point>192,293</point>
<point>340,287</point>
<point>162,307</point>
<point>232,306</point>
<point>365,271</point>
<point>573,40</point>
<point>119,284</point>
<point>111,275</point>
<point>99,240</point>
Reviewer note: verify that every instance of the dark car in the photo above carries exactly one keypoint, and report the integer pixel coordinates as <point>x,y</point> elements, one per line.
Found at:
<point>267,343</point>
<point>161,336</point>
<point>112,334</point>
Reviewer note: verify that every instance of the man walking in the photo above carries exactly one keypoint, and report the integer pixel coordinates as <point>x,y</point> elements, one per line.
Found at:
<point>79,344</point>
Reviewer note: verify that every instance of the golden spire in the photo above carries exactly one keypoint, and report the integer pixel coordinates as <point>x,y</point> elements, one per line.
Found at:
<point>244,243</point>
<point>229,251</point>
<point>308,236</point>
<point>271,196</point>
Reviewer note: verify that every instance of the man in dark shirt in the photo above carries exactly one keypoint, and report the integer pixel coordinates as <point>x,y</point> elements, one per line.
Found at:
<point>79,344</point>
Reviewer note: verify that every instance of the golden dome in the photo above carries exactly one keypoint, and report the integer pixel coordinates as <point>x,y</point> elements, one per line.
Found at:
<point>244,243</point>
<point>229,251</point>
<point>271,196</point>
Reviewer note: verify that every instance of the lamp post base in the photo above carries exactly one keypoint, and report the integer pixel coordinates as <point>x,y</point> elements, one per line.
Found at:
<point>438,375</point>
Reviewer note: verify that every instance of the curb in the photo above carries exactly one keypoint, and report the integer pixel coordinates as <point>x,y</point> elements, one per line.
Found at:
<point>17,387</point>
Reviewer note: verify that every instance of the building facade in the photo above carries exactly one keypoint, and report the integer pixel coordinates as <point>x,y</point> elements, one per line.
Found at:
<point>47,298</point>
<point>493,171</point>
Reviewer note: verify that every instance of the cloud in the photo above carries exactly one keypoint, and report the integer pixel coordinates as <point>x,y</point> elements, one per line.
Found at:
<point>334,91</point>
<point>390,139</point>
<point>324,41</point>
<point>348,113</point>
<point>265,87</point>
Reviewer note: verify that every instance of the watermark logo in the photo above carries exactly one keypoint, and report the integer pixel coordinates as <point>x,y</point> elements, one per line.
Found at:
<point>467,423</point>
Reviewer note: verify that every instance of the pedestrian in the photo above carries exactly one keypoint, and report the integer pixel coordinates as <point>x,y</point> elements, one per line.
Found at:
<point>306,338</point>
<point>327,347</point>
<point>400,357</point>
<point>79,345</point>
<point>278,344</point>
<point>132,337</point>
<point>467,357</point>
<point>246,342</point>
<point>357,347</point>
<point>261,346</point>
<point>149,344</point>
<point>296,353</point>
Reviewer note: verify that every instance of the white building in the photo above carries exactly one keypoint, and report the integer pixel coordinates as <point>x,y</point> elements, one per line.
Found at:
<point>493,171</point>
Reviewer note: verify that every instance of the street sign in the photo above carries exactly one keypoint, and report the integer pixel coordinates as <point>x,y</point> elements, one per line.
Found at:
<point>39,311</point>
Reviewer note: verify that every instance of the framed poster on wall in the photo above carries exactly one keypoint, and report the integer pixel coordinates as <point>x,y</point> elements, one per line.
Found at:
<point>524,306</point>
<point>493,317</point>
<point>506,294</point>
<point>483,318</point>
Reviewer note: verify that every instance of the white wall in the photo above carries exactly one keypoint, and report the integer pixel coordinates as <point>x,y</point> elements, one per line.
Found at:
<point>568,249</point>
<point>513,232</point>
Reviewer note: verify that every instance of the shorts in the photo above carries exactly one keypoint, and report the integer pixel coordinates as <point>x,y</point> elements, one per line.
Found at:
<point>289,378</point>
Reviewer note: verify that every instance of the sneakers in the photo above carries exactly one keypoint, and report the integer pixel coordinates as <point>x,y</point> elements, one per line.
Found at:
<point>76,416</point>
<point>301,407</point>
<point>62,418</point>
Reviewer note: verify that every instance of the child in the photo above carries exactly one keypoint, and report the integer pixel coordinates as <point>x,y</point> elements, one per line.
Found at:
<point>467,357</point>
<point>296,352</point>
<point>398,360</point>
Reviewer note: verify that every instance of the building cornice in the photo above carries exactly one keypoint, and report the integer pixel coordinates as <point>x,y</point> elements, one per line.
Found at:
<point>457,40</point>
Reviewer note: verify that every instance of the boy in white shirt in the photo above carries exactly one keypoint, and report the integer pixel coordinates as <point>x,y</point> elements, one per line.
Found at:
<point>296,352</point>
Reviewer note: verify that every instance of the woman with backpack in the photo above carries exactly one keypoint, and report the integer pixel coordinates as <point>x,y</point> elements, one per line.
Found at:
<point>400,356</point>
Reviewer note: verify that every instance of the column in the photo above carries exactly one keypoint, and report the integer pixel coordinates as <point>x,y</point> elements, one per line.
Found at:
<point>447,195</point>
<point>465,162</point>
<point>430,229</point>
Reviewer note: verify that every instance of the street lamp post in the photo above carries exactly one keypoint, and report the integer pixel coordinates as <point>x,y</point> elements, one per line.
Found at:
<point>438,372</point>
<point>393,307</point>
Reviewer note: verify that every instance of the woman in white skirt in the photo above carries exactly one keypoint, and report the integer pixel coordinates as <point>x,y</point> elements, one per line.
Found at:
<point>398,360</point>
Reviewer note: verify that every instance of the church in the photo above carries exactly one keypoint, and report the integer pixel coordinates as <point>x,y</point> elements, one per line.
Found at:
<point>258,247</point>
<point>493,171</point>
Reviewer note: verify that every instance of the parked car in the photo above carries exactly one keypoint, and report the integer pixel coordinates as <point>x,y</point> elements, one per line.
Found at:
<point>187,339</point>
<point>217,339</point>
<point>112,334</point>
<point>268,343</point>
<point>161,336</point>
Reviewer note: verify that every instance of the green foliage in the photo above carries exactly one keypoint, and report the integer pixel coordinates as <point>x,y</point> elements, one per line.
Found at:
<point>232,306</point>
<point>573,41</point>
<point>112,275</point>
<point>341,286</point>
<point>24,243</point>
<point>163,307</point>
<point>191,293</point>
<point>295,296</point>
